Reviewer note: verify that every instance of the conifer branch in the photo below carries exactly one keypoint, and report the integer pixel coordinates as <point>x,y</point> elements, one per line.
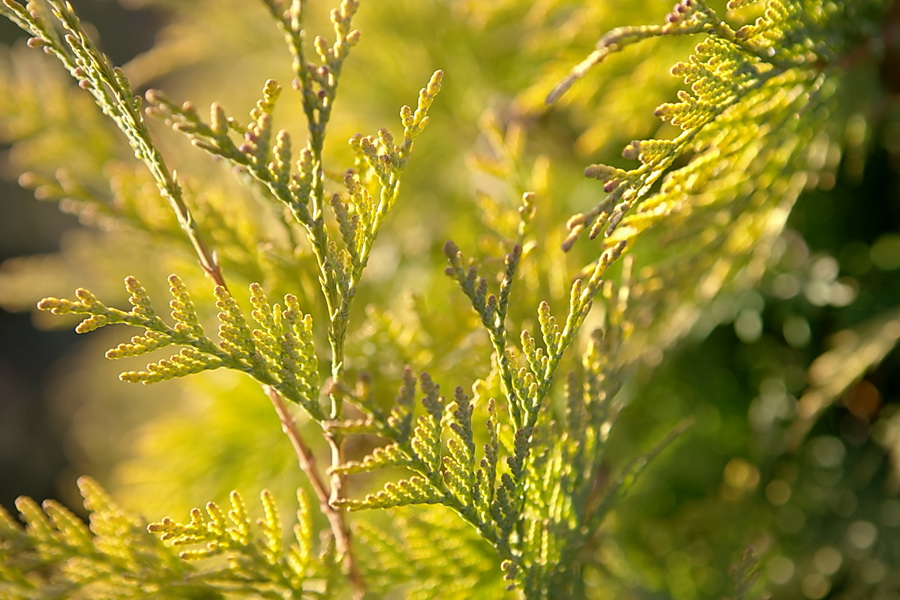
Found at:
<point>113,94</point>
<point>688,17</point>
<point>729,73</point>
<point>267,157</point>
<point>535,483</point>
<point>336,521</point>
<point>280,353</point>
<point>527,388</point>
<point>257,564</point>
<point>340,270</point>
<point>57,554</point>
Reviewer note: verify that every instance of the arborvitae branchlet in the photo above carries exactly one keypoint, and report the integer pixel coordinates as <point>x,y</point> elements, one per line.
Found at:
<point>522,461</point>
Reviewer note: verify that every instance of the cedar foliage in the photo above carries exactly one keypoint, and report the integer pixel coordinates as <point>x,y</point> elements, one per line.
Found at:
<point>514,469</point>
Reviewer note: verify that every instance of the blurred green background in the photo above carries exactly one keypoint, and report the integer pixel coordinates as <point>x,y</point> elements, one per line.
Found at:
<point>818,498</point>
<point>33,456</point>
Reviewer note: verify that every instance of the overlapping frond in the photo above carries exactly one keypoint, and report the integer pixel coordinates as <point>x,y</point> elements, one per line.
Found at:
<point>751,123</point>
<point>527,386</point>
<point>408,557</point>
<point>258,560</point>
<point>56,555</point>
<point>277,349</point>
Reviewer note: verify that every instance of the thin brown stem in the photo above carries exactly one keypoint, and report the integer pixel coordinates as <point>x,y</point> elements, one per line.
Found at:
<point>335,442</point>
<point>335,517</point>
<point>169,187</point>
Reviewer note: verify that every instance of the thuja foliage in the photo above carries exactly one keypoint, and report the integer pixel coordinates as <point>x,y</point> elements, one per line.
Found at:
<point>517,456</point>
<point>117,558</point>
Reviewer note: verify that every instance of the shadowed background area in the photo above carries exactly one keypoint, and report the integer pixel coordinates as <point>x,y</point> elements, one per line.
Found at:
<point>33,460</point>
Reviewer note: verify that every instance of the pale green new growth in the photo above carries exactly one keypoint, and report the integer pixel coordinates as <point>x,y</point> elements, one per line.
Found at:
<point>729,69</point>
<point>279,352</point>
<point>56,554</point>
<point>752,93</point>
<point>526,387</point>
<point>119,555</point>
<point>725,184</point>
<point>257,562</point>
